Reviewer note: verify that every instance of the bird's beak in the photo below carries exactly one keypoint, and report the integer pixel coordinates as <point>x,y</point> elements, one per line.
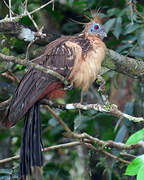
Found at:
<point>103,33</point>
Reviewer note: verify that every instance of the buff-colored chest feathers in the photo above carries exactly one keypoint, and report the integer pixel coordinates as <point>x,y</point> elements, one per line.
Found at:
<point>87,68</point>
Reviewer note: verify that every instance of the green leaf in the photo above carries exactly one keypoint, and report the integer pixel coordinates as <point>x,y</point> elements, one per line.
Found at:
<point>109,24</point>
<point>130,28</point>
<point>134,167</point>
<point>140,37</point>
<point>118,27</point>
<point>6,51</point>
<point>137,52</point>
<point>123,47</point>
<point>19,66</point>
<point>136,137</point>
<point>113,11</point>
<point>77,122</point>
<point>140,175</point>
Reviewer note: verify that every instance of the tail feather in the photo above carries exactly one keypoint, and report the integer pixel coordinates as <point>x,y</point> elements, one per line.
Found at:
<point>31,160</point>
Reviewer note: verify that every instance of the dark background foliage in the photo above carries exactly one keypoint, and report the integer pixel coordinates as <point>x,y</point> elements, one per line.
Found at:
<point>125,30</point>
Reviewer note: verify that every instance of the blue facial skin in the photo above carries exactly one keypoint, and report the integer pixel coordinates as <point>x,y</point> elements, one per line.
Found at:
<point>93,30</point>
<point>97,29</point>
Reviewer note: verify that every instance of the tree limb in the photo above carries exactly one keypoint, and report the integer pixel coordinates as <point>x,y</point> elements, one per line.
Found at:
<point>124,64</point>
<point>24,62</point>
<point>111,108</point>
<point>113,60</point>
<point>87,143</point>
<point>71,144</point>
<point>6,19</point>
<point>90,146</point>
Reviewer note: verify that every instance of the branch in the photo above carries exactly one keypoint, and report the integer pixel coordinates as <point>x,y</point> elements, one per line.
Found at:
<point>111,108</point>
<point>107,144</point>
<point>107,153</point>
<point>24,62</point>
<point>4,104</point>
<point>71,144</point>
<point>67,129</point>
<point>86,142</point>
<point>10,11</point>
<point>127,155</point>
<point>98,107</point>
<point>6,19</point>
<point>124,64</point>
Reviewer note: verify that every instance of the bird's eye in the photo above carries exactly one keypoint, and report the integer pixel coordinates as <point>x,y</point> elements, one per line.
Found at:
<point>96,27</point>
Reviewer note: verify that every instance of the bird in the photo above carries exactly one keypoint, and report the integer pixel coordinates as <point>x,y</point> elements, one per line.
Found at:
<point>78,58</point>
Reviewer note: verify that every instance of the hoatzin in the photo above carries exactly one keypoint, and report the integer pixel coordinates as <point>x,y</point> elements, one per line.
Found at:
<point>78,59</point>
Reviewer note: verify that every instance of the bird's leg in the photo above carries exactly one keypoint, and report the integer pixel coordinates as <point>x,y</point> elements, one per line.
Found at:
<point>101,82</point>
<point>81,99</point>
<point>68,87</point>
<point>102,89</point>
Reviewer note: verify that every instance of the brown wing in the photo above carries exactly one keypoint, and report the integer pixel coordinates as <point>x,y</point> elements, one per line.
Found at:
<point>35,84</point>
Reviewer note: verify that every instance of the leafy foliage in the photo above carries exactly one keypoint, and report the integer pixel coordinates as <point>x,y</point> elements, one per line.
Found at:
<point>136,137</point>
<point>125,35</point>
<point>136,167</point>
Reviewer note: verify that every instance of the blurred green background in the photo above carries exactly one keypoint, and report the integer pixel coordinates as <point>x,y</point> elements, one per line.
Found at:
<point>125,27</point>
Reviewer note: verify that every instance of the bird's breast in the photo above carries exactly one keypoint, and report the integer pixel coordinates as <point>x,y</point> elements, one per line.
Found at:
<point>86,68</point>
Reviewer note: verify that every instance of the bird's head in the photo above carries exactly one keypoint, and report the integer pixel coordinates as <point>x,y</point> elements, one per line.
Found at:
<point>95,28</point>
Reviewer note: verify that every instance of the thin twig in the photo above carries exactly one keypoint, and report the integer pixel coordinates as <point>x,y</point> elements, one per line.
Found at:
<point>67,129</point>
<point>130,4</point>
<point>39,32</point>
<point>127,155</point>
<point>86,140</point>
<point>34,65</point>
<point>107,153</point>
<point>25,14</point>
<point>26,3</point>
<point>8,7</point>
<point>110,144</point>
<point>28,47</point>
<point>33,21</point>
<point>138,13</point>
<point>4,104</point>
<point>115,157</point>
<point>6,4</point>
<point>66,145</point>
<point>53,5</point>
<point>41,7</point>
<point>10,11</point>
<point>10,75</point>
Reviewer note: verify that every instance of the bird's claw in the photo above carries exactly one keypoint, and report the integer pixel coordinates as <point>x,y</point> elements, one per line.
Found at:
<point>68,87</point>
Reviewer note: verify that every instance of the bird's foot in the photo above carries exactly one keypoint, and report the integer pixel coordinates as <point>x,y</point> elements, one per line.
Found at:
<point>68,87</point>
<point>101,82</point>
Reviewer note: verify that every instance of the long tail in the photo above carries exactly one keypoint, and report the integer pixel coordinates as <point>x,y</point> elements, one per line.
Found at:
<point>31,160</point>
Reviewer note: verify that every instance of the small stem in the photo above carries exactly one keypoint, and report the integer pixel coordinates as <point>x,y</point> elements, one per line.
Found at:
<point>24,14</point>
<point>67,129</point>
<point>33,21</point>
<point>66,145</point>
<point>26,3</point>
<point>10,11</point>
<point>107,153</point>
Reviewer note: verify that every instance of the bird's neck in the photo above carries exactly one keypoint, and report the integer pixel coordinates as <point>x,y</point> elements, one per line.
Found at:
<point>91,37</point>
